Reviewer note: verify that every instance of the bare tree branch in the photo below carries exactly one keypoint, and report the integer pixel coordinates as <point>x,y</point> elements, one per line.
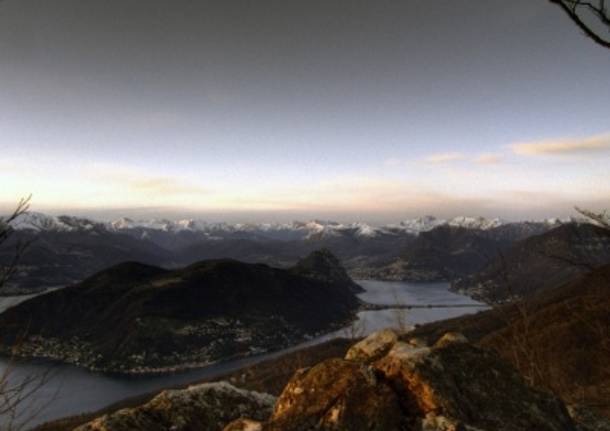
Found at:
<point>22,207</point>
<point>7,271</point>
<point>18,403</point>
<point>577,10</point>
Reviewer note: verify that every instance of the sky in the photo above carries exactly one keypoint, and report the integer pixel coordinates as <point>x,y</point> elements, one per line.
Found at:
<point>277,110</point>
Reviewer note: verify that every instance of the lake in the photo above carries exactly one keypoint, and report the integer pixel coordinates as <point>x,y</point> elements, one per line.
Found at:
<point>74,390</point>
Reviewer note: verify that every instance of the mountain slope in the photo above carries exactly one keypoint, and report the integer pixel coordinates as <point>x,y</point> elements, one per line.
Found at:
<point>539,262</point>
<point>59,257</point>
<point>323,266</point>
<point>558,337</point>
<point>139,318</point>
<point>443,253</point>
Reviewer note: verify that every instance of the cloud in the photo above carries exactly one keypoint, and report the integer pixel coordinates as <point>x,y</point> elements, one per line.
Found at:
<point>10,165</point>
<point>488,159</point>
<point>165,185</point>
<point>481,159</point>
<point>563,147</point>
<point>345,194</point>
<point>139,182</point>
<point>453,189</point>
<point>443,158</point>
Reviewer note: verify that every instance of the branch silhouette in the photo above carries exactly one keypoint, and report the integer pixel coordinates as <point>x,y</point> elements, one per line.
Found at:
<point>580,13</point>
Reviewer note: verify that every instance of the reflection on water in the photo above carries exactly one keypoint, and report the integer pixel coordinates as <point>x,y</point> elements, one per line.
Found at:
<point>400,292</point>
<point>403,293</point>
<point>74,390</point>
<point>11,301</point>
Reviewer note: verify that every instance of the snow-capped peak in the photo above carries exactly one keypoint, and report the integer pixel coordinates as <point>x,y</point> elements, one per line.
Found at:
<point>153,224</point>
<point>475,222</point>
<point>42,222</point>
<point>123,223</point>
<point>312,229</point>
<point>363,229</point>
<point>418,225</point>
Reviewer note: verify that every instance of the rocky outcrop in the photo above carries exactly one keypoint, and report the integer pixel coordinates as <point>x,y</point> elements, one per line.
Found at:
<point>205,407</point>
<point>449,386</point>
<point>450,338</point>
<point>588,420</point>
<point>372,347</point>
<point>557,338</point>
<point>244,425</point>
<point>336,394</point>
<point>459,384</point>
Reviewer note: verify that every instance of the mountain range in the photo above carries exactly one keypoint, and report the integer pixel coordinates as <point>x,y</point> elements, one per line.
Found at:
<point>66,249</point>
<point>282,231</point>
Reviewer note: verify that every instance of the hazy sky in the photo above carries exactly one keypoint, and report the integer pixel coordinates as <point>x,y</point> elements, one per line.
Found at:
<point>368,110</point>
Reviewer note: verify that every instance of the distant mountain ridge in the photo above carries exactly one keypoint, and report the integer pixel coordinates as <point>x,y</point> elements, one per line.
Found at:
<point>67,249</point>
<point>293,230</point>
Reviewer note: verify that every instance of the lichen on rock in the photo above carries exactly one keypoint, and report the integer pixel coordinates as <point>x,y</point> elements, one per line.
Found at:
<point>450,338</point>
<point>336,394</point>
<point>372,347</point>
<point>244,425</point>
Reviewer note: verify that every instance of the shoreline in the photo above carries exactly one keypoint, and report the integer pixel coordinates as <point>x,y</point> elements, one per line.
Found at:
<point>143,371</point>
<point>166,370</point>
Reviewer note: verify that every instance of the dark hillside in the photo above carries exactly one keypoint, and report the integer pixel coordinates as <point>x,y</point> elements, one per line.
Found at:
<point>540,262</point>
<point>559,338</point>
<point>58,258</point>
<point>322,265</point>
<point>443,253</point>
<point>138,318</point>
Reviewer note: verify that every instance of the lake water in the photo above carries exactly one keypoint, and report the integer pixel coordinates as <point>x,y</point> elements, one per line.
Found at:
<point>74,390</point>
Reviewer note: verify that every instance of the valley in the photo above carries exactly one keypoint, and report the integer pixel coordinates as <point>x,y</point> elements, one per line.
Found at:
<point>304,215</point>
<point>73,383</point>
<point>543,337</point>
<point>134,328</point>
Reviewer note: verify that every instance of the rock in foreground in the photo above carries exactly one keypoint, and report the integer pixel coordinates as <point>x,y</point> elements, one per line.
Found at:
<point>337,394</point>
<point>448,387</point>
<point>372,347</point>
<point>205,407</point>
